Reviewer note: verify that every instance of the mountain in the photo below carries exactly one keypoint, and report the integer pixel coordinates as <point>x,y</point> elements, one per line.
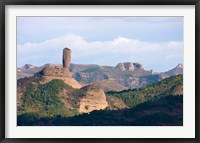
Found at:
<point>58,98</point>
<point>175,71</point>
<point>53,91</point>
<point>130,75</point>
<point>70,94</point>
<point>54,102</point>
<point>123,75</point>
<point>167,111</point>
<point>169,86</point>
<point>27,71</point>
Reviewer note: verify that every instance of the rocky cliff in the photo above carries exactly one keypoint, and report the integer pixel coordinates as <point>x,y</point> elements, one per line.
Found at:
<point>128,75</point>
<point>94,99</point>
<point>128,66</point>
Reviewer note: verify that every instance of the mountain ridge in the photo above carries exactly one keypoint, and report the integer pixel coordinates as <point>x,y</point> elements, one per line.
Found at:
<point>128,77</point>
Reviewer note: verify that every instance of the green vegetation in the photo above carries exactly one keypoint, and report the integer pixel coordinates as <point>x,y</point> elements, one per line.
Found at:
<point>153,105</point>
<point>87,107</point>
<point>152,113</point>
<point>151,92</point>
<point>44,101</point>
<point>91,69</point>
<point>28,81</point>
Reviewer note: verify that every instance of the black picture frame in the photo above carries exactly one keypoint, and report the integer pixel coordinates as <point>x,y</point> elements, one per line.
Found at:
<point>3,4</point>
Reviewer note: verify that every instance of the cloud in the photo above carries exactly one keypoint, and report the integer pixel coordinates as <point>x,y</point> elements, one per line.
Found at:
<point>159,56</point>
<point>38,29</point>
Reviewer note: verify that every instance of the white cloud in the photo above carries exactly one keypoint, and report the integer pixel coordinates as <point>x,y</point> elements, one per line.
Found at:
<point>158,56</point>
<point>38,29</point>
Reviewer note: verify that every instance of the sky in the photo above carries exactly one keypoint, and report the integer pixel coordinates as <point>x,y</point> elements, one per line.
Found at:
<point>155,42</point>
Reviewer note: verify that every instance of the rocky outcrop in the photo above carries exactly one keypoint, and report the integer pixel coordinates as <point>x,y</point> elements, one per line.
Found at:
<point>93,99</point>
<point>66,61</point>
<point>120,67</point>
<point>86,74</point>
<point>54,71</point>
<point>68,80</point>
<point>60,71</point>
<point>66,57</point>
<point>51,71</point>
<point>128,66</point>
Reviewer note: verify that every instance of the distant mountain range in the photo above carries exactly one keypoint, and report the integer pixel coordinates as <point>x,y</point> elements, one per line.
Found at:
<point>121,77</point>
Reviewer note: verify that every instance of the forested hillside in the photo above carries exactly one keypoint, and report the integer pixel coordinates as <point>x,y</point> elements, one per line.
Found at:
<point>56,103</point>
<point>167,111</point>
<point>169,86</point>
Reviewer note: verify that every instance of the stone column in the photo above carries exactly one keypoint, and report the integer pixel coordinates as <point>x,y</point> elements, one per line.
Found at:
<point>67,61</point>
<point>66,57</point>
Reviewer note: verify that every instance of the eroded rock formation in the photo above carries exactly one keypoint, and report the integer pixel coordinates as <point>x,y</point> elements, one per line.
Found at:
<point>55,70</point>
<point>66,61</point>
<point>61,72</point>
<point>128,66</point>
<point>120,67</point>
<point>66,57</point>
<point>52,70</point>
<point>94,99</point>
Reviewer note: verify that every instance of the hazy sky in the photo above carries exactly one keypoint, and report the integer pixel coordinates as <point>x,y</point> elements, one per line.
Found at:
<point>155,42</point>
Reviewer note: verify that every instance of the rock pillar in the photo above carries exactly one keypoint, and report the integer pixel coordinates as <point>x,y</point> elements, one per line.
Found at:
<point>67,61</point>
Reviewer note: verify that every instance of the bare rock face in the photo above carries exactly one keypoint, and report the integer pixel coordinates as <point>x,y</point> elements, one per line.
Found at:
<point>67,61</point>
<point>94,99</point>
<point>53,71</point>
<point>129,66</point>
<point>120,67</point>
<point>61,72</point>
<point>66,57</point>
